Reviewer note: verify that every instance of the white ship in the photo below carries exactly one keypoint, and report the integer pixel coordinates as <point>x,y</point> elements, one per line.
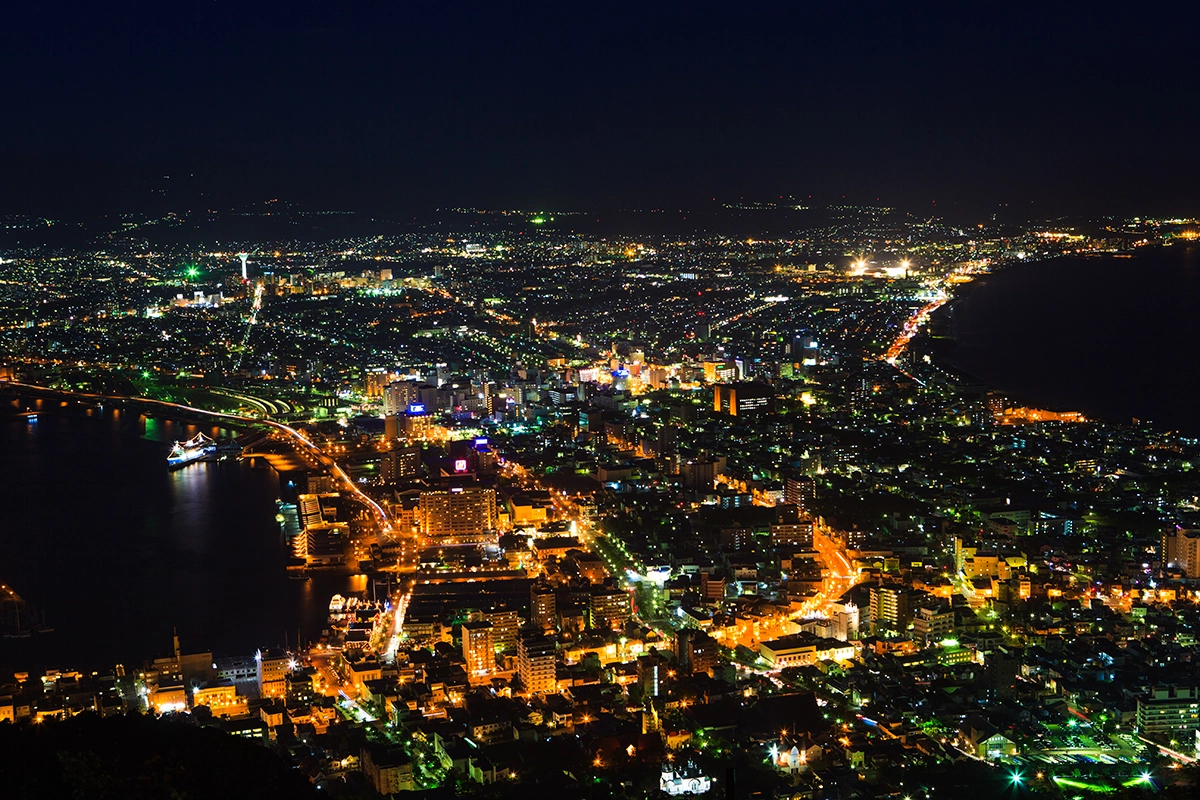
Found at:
<point>194,449</point>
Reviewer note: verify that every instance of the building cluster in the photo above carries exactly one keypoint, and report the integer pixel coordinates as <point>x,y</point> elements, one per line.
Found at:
<point>631,510</point>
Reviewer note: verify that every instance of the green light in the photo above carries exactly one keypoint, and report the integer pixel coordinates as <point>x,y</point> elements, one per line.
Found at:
<point>145,373</point>
<point>1091,787</point>
<point>192,272</point>
<point>1015,777</point>
<point>538,220</point>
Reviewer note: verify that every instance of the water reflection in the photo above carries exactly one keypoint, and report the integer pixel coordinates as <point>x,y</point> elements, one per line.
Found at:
<point>118,550</point>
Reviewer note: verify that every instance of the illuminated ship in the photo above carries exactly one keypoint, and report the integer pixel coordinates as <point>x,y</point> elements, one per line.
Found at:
<point>194,449</point>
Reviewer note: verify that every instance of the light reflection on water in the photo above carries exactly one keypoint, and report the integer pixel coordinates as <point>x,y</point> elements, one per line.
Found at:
<point>118,550</point>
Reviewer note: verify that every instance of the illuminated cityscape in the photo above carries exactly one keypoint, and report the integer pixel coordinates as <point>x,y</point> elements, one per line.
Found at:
<point>644,501</point>
<point>714,497</point>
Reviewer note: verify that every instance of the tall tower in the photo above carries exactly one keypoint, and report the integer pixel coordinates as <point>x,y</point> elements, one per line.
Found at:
<point>244,257</point>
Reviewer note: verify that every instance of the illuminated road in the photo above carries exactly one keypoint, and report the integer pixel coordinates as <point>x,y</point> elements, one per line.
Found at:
<point>840,574</point>
<point>389,654</point>
<point>911,328</point>
<point>257,304</point>
<point>832,553</point>
<point>329,683</point>
<point>381,516</point>
<point>265,406</point>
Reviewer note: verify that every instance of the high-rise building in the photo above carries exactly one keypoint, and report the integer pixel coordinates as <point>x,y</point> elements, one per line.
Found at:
<point>742,398</point>
<point>803,346</point>
<point>734,539</point>
<point>505,624</point>
<point>1000,670</point>
<point>537,664</point>
<point>715,371</point>
<point>1170,710</point>
<point>388,769</point>
<point>309,510</point>
<point>652,673</point>
<point>698,474</point>
<point>696,651</point>
<point>799,491</point>
<point>404,462</point>
<point>417,423</point>
<point>270,669</point>
<point>374,382</point>
<point>1181,551</point>
<point>889,608</point>
<point>542,612</point>
<point>845,619</point>
<point>996,404</point>
<point>322,543</point>
<point>712,588</point>
<point>399,396</point>
<point>477,648</point>
<point>608,608</point>
<point>793,535</point>
<point>932,624</point>
<point>458,515</point>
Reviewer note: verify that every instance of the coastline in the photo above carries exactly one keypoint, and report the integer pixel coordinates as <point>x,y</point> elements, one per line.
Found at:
<point>196,548</point>
<point>959,343</point>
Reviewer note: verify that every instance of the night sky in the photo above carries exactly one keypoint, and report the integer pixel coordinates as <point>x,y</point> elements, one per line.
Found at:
<point>404,106</point>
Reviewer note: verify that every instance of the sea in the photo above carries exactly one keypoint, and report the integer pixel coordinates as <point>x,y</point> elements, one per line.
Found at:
<point>118,553</point>
<point>1116,338</point>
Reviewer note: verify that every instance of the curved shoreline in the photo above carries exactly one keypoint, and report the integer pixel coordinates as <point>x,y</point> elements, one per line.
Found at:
<point>1068,366</point>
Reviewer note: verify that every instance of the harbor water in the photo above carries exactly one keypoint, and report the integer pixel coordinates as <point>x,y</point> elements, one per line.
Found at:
<point>117,551</point>
<point>1113,337</point>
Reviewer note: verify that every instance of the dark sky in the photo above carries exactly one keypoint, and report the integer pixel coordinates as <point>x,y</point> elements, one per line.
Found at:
<point>398,106</point>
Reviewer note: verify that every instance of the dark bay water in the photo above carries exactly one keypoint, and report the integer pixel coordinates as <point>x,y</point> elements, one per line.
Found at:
<point>117,550</point>
<point>1116,338</point>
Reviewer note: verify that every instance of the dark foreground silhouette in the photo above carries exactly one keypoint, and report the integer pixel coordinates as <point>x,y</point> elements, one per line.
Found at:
<point>134,757</point>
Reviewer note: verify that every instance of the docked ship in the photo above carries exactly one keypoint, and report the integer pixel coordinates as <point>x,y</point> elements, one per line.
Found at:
<point>194,449</point>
